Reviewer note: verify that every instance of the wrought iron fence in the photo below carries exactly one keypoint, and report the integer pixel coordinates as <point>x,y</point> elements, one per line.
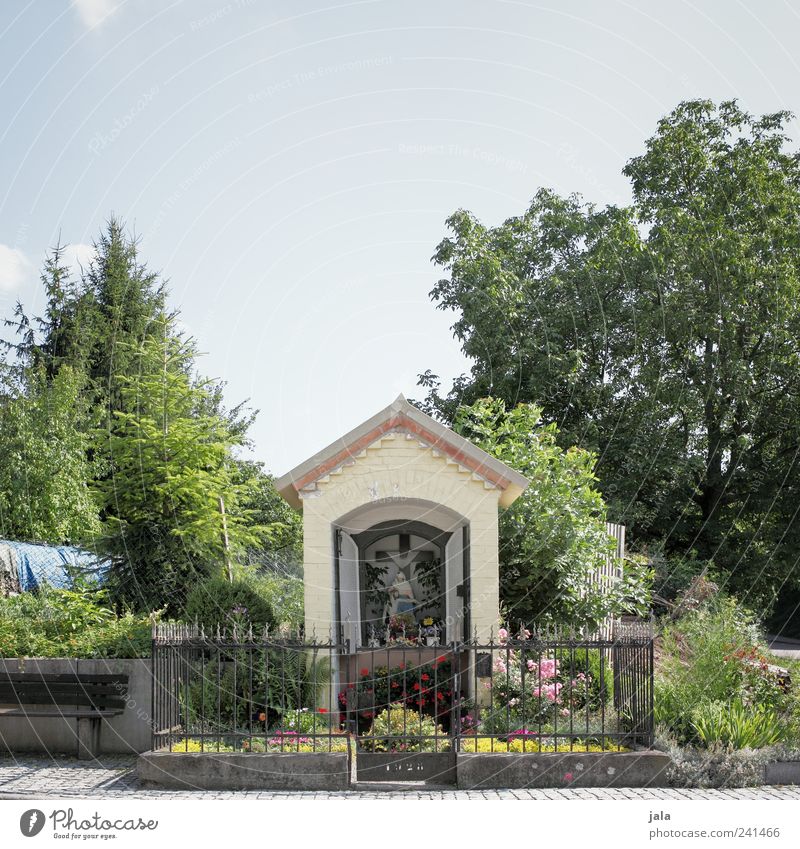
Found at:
<point>555,690</point>
<point>530,692</point>
<point>244,692</point>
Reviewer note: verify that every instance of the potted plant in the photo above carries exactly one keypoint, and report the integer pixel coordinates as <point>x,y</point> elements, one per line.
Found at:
<point>400,628</point>
<point>429,631</point>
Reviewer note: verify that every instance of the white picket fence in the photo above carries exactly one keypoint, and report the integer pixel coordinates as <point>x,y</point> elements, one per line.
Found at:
<point>610,571</point>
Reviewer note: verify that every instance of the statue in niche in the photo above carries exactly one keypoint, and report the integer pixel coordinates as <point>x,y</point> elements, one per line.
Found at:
<point>401,596</point>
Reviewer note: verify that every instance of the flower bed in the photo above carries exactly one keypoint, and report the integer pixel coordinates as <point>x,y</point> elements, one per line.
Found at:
<point>546,692</point>
<point>398,729</point>
<point>529,745</point>
<point>717,691</point>
<point>426,688</point>
<point>287,742</point>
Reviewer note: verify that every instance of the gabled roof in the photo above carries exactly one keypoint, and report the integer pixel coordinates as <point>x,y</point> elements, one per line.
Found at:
<point>400,416</point>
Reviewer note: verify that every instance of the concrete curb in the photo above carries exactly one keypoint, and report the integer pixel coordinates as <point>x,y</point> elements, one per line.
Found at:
<point>501,770</point>
<point>248,771</point>
<point>782,772</point>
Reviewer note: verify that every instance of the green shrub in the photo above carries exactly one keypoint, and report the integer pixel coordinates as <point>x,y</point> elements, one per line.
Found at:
<point>736,725</point>
<point>229,690</point>
<point>70,623</point>
<point>674,575</point>
<point>305,721</point>
<point>219,602</point>
<point>398,729</point>
<point>710,655</point>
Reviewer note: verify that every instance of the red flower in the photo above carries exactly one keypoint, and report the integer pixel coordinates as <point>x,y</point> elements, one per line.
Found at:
<point>416,685</point>
<point>441,659</point>
<point>364,672</point>
<point>323,710</point>
<point>426,677</point>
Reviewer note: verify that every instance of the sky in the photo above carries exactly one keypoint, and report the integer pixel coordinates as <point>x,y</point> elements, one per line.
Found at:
<point>289,166</point>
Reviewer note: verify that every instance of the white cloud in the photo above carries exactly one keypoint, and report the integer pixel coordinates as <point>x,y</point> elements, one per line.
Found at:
<point>92,12</point>
<point>15,268</point>
<point>78,257</point>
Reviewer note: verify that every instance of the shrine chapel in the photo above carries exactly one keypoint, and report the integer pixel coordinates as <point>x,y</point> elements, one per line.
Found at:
<point>400,529</point>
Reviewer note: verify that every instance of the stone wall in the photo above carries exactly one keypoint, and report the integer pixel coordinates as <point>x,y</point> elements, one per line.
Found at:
<point>129,732</point>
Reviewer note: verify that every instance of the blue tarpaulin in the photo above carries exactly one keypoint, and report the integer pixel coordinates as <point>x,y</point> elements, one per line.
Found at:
<point>53,565</point>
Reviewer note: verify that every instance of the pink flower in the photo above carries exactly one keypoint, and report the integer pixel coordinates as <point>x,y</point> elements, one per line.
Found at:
<point>568,776</point>
<point>548,668</point>
<point>548,691</point>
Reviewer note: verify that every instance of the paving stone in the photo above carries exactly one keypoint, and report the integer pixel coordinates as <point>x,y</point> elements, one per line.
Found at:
<point>114,777</point>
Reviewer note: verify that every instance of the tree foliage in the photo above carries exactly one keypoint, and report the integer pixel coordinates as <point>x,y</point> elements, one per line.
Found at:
<point>553,538</point>
<point>663,337</point>
<point>170,462</point>
<point>44,469</point>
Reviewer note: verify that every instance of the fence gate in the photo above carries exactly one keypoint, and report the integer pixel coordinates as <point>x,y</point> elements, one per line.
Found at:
<point>403,703</point>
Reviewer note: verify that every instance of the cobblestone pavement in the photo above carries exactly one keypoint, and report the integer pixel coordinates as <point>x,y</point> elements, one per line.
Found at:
<point>113,777</point>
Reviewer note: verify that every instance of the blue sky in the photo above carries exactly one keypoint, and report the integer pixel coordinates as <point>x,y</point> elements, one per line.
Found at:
<point>289,165</point>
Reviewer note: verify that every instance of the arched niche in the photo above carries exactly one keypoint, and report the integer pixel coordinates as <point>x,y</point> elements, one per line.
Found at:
<point>424,543</point>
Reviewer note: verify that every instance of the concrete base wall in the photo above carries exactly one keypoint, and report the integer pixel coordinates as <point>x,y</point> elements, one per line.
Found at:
<point>250,771</point>
<point>499,770</point>
<point>127,733</point>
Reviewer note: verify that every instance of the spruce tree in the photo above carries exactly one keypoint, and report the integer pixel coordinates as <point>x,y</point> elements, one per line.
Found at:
<point>171,463</point>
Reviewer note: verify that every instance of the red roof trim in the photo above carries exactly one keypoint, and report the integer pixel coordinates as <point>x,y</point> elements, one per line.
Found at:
<point>400,421</point>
